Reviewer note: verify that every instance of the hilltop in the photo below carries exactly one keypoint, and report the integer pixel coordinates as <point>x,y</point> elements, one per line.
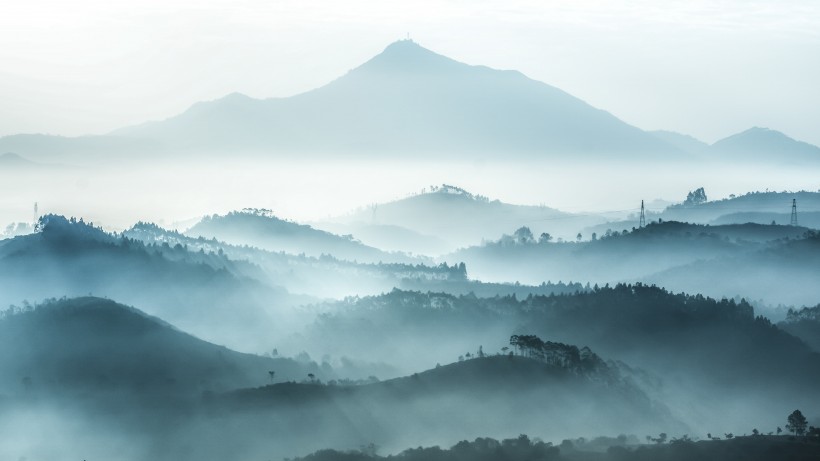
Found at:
<point>495,394</point>
<point>764,144</point>
<point>458,217</point>
<point>260,228</point>
<point>691,348</point>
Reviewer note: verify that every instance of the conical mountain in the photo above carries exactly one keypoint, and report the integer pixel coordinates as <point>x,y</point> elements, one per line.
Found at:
<point>406,100</point>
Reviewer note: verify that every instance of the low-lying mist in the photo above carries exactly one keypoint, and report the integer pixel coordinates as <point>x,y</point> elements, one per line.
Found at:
<point>116,194</point>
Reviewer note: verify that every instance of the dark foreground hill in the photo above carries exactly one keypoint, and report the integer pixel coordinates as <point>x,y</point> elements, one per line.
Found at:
<point>94,344</point>
<point>706,353</point>
<point>499,394</point>
<point>93,371</point>
<point>522,448</point>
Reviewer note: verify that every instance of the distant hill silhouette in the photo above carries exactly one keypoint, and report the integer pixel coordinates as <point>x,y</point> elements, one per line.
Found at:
<point>322,276</point>
<point>781,273</point>
<point>68,257</point>
<point>461,218</point>
<point>752,207</point>
<point>89,343</point>
<point>767,145</point>
<point>804,324</point>
<point>647,254</point>
<point>11,162</point>
<point>753,202</point>
<point>262,229</point>
<point>51,148</point>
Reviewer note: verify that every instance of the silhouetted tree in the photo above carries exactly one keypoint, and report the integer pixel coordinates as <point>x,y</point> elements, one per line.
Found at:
<point>695,197</point>
<point>523,235</point>
<point>797,423</point>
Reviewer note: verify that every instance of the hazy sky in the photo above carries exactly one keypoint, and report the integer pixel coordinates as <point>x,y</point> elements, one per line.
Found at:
<point>706,68</point>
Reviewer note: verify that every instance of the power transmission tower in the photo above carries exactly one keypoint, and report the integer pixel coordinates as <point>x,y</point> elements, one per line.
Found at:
<point>642,222</point>
<point>36,214</point>
<point>794,212</point>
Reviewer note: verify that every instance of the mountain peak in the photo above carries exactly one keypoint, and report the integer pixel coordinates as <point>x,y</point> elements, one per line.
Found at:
<point>768,143</point>
<point>407,55</point>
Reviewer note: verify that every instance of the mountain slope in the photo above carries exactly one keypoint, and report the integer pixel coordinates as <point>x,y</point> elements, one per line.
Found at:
<point>410,99</point>
<point>261,229</point>
<point>94,343</point>
<point>461,218</point>
<point>619,256</point>
<point>205,294</point>
<point>706,352</point>
<point>765,144</point>
<point>683,142</point>
<point>490,394</point>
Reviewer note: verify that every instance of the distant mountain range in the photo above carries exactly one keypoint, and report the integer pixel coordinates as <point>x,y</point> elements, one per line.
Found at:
<point>19,164</point>
<point>409,99</point>
<point>756,145</point>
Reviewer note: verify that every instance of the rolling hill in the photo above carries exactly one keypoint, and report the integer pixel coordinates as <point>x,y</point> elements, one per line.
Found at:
<point>764,144</point>
<point>460,218</point>
<point>260,228</point>
<point>89,343</point>
<point>205,294</point>
<point>441,405</point>
<point>629,255</point>
<point>702,355</point>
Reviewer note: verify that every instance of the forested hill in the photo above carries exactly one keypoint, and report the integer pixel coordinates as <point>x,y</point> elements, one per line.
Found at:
<point>693,343</point>
<point>68,257</point>
<point>84,344</point>
<point>262,229</point>
<point>662,253</point>
<point>470,217</point>
<point>522,448</point>
<point>490,393</point>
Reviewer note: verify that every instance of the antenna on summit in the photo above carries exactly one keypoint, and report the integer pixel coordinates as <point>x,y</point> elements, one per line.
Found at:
<point>642,221</point>
<point>36,214</point>
<point>794,212</point>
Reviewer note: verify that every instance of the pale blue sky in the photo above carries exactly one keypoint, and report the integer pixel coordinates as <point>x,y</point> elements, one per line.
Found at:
<point>705,68</point>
